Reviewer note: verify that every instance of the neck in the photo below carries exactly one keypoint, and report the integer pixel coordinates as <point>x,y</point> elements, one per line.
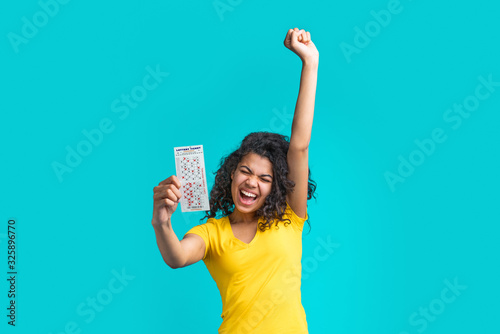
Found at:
<point>244,218</point>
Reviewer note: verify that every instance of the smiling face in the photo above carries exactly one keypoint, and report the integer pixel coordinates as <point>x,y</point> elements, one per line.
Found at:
<point>254,175</point>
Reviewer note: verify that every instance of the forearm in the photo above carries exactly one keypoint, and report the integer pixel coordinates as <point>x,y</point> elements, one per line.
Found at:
<point>304,109</point>
<point>169,245</point>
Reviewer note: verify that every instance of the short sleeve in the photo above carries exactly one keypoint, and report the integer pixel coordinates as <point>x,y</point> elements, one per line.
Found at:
<point>202,231</point>
<point>296,220</point>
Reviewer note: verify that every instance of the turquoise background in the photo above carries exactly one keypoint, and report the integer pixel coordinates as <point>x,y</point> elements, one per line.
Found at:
<point>229,75</point>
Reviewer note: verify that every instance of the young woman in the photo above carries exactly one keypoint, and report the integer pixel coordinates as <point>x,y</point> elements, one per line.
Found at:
<point>253,251</point>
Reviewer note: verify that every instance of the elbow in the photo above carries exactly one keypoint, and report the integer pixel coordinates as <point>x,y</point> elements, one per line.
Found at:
<point>298,148</point>
<point>175,265</point>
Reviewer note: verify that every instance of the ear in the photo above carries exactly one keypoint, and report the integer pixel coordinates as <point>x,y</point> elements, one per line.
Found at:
<point>232,173</point>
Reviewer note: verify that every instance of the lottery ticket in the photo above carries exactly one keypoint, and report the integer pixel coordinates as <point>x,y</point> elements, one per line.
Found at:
<point>190,167</point>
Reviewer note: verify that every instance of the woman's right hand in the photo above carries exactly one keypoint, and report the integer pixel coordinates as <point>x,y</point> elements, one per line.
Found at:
<point>166,198</point>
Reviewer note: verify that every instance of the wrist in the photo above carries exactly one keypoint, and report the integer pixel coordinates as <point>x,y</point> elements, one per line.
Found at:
<point>311,62</point>
<point>161,225</point>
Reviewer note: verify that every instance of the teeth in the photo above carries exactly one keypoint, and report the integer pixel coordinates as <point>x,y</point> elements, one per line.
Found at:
<point>248,194</point>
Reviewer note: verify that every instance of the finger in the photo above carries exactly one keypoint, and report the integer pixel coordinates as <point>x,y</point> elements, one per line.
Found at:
<point>288,36</point>
<point>308,36</point>
<point>169,202</point>
<point>166,181</point>
<point>172,180</point>
<point>303,36</point>
<point>162,191</point>
<point>167,195</point>
<point>172,195</point>
<point>176,181</point>
<point>160,196</point>
<point>177,192</point>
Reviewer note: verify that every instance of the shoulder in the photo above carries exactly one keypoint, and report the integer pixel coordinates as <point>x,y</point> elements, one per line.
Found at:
<point>210,225</point>
<point>296,221</point>
<point>214,222</point>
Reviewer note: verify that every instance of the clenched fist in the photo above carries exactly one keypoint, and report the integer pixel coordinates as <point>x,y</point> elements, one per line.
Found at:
<point>299,41</point>
<point>167,196</point>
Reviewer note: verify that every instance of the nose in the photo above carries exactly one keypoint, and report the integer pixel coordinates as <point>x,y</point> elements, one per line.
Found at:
<point>251,182</point>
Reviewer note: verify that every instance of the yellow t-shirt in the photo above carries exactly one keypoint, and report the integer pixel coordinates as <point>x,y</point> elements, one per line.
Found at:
<point>259,282</point>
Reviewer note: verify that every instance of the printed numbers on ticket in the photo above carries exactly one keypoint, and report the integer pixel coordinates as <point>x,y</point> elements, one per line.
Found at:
<point>190,167</point>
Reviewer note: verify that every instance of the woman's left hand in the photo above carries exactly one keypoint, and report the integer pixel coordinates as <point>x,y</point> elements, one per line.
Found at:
<point>299,41</point>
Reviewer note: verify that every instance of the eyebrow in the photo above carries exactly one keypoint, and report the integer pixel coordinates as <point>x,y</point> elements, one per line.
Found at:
<point>252,172</point>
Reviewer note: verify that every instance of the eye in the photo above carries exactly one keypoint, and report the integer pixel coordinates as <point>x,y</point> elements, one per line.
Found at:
<point>266,180</point>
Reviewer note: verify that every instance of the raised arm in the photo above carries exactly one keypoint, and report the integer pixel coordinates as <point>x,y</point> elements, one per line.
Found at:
<point>299,41</point>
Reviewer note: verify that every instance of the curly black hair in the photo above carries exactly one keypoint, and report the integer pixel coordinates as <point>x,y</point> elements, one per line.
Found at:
<point>273,146</point>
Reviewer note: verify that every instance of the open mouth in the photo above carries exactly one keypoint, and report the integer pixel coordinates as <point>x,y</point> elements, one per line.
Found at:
<point>247,199</point>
